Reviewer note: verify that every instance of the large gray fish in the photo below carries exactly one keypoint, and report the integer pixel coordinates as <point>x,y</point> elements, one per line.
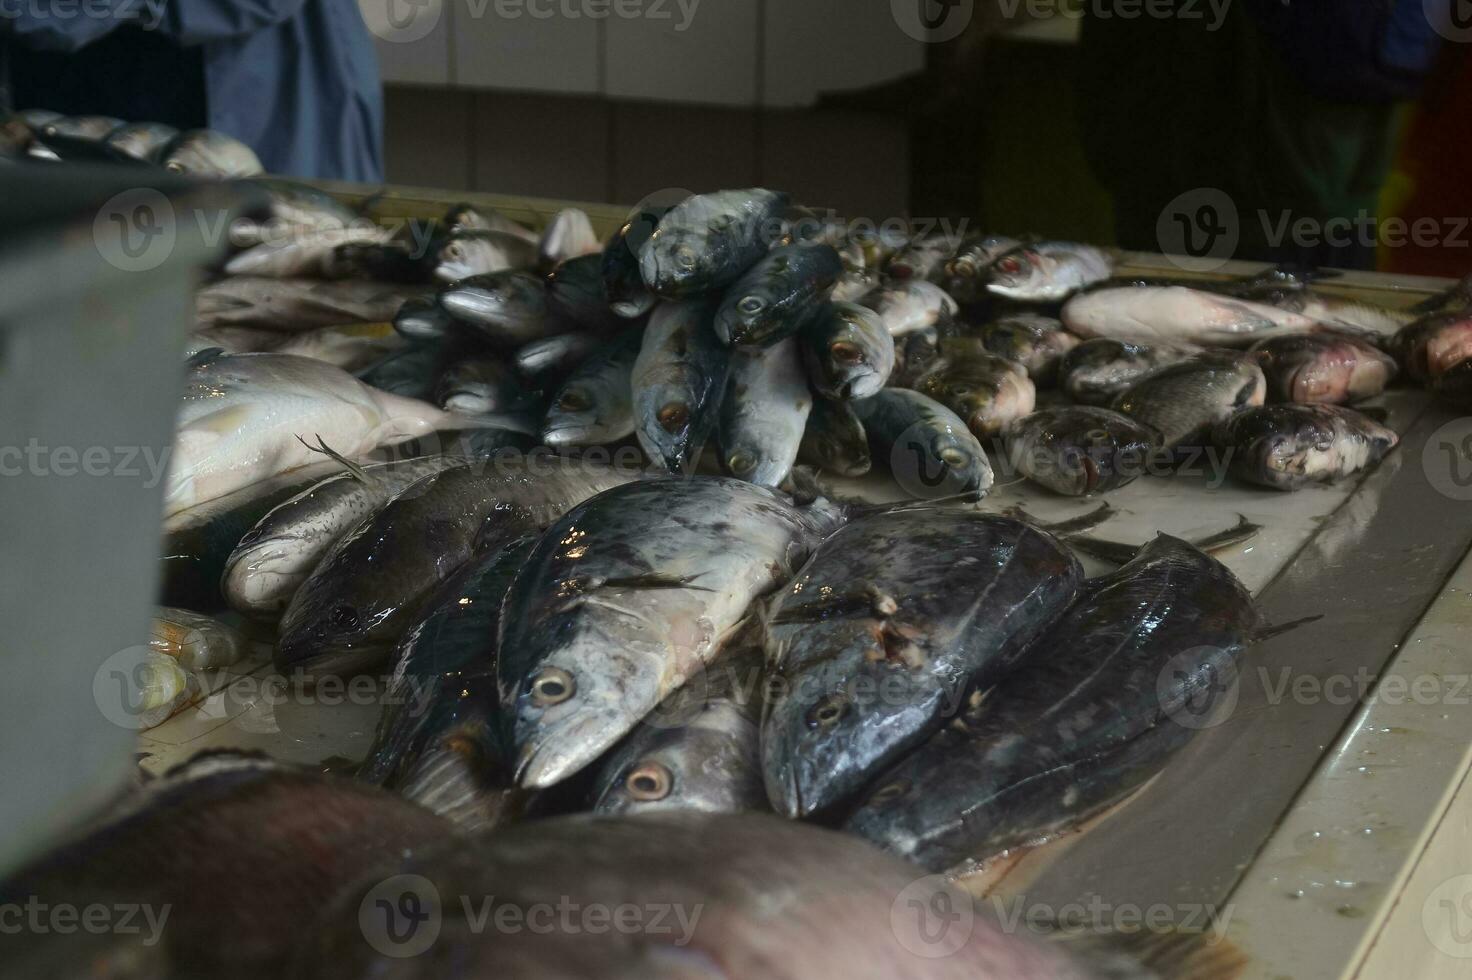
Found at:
<point>928,449</point>
<point>481,384</point>
<point>509,308</point>
<point>764,413</point>
<point>1184,400</point>
<point>708,241</point>
<point>1099,705</point>
<point>275,556</point>
<point>698,749</point>
<point>364,593</point>
<point>209,153</point>
<point>848,351</point>
<point>1433,345</point>
<point>1098,370</point>
<point>1289,446</point>
<point>989,392</point>
<point>595,405</point>
<point>197,857</point>
<point>875,641</point>
<point>440,741</point>
<point>834,440</point>
<point>967,271</point>
<point>477,253</point>
<point>910,305</point>
<point>299,304</point>
<point>1079,450</point>
<point>1036,342</point>
<point>1323,368</point>
<point>143,141</point>
<point>752,896</point>
<point>778,295</point>
<point>626,597</point>
<point>1047,272</point>
<point>623,283</point>
<point>556,356</point>
<point>679,379</point>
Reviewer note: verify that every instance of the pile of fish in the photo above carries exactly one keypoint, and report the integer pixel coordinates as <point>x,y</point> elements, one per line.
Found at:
<point>43,135</point>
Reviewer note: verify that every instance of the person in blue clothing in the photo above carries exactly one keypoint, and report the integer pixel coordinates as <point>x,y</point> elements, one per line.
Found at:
<point>296,80</point>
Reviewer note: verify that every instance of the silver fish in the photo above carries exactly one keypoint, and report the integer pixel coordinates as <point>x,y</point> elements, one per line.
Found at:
<point>144,140</point>
<point>679,379</point>
<point>987,391</point>
<point>834,440</point>
<point>208,153</point>
<point>764,413</point>
<point>475,253</point>
<point>309,253</point>
<point>929,450</point>
<point>848,351</point>
<point>1333,369</point>
<point>510,308</point>
<point>1184,400</point>
<point>1080,450</point>
<point>966,273</point>
<point>1036,342</point>
<point>1178,314</point>
<point>80,127</point>
<point>1098,370</point>
<point>911,305</point>
<point>556,355</point>
<point>707,241</point>
<point>1289,446</point>
<point>595,405</point>
<point>481,384</point>
<point>1048,271</point>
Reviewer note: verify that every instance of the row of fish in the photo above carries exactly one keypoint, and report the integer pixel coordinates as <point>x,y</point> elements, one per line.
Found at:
<point>40,134</point>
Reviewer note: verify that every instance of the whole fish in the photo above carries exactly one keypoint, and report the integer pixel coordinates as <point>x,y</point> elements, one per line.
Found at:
<point>480,384</point>
<point>196,641</point>
<point>1433,345</point>
<point>917,603</point>
<point>708,241</point>
<point>1047,272</point>
<point>595,405</point>
<point>967,272</point>
<point>440,740</point>
<point>476,253</point>
<point>1092,712</point>
<point>350,346</point>
<point>468,217</point>
<point>625,598</point>
<point>242,414</point>
<point>209,153</point>
<point>408,373</point>
<point>929,450</point>
<point>698,749</point>
<point>304,253</point>
<point>911,305</point>
<point>556,356</point>
<point>778,295</point>
<point>143,141</point>
<point>186,852</point>
<point>678,381</point>
<point>1289,446</point>
<point>988,392</point>
<point>1098,370</point>
<point>1184,400</point>
<point>1036,342</point>
<point>848,351</point>
<point>509,308</point>
<point>575,291</point>
<point>724,875</point>
<point>422,319</point>
<point>568,235</point>
<point>275,556</point>
<point>834,440</point>
<point>1080,450</point>
<point>1177,314</point>
<point>298,304</point>
<point>924,258</point>
<point>764,413</point>
<point>623,282</point>
<point>364,593</point>
<point>81,127</point>
<point>1323,368</point>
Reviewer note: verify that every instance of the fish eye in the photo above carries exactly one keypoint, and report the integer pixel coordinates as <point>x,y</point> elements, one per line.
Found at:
<point>892,791</point>
<point>741,462</point>
<point>845,353</point>
<point>551,685</point>
<point>827,712</point>
<point>751,304</point>
<point>344,617</point>
<point>573,400</point>
<point>686,257</point>
<point>674,416</point>
<point>1010,265</point>
<point>954,457</point>
<point>649,781</point>
<point>455,251</point>
<point>960,391</point>
<point>174,167</point>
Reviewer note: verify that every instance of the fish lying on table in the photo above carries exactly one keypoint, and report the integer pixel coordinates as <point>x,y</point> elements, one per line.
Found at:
<point>1290,446</point>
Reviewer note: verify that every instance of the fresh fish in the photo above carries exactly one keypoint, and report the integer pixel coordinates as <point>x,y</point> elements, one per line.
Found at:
<point>625,598</point>
<point>1433,345</point>
<point>1332,369</point>
<point>678,381</point>
<point>208,153</point>
<point>923,258</point>
<point>480,384</point>
<point>569,235</point>
<point>1098,370</point>
<point>698,749</point>
<point>930,451</point>
<point>364,593</point>
<point>143,141</point>
<point>242,414</point>
<point>987,391</point>
<point>1080,450</point>
<point>834,440</point>
<point>440,740</point>
<point>778,295</point>
<point>509,308</point>
<point>623,282</point>
<point>575,290</point>
<point>916,603</point>
<point>468,217</point>
<point>476,253</point>
<point>1184,400</point>
<point>764,413</point>
<point>187,853</point>
<point>911,305</point>
<point>422,320</point>
<point>1332,312</point>
<point>303,253</point>
<point>709,240</point>
<point>298,304</point>
<point>556,355</point>
<point>1289,446</point>
<point>196,641</point>
<point>351,346</point>
<point>1094,710</point>
<point>80,127</point>
<point>967,272</point>
<point>1177,314</point>
<point>1047,272</point>
<point>275,556</point>
<point>595,405</point>
<point>848,351</point>
<point>1036,342</point>
<point>409,373</point>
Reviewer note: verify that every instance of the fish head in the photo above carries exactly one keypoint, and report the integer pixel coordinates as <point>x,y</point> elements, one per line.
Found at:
<point>495,298</point>
<point>752,314</point>
<point>678,262</point>
<point>468,254</point>
<point>574,419</point>
<point>334,625</point>
<point>669,437</point>
<point>265,570</point>
<point>208,153</point>
<point>682,769</point>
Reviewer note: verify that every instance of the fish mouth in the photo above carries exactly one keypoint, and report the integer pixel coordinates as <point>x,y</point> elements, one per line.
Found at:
<point>564,436</point>
<point>552,754</point>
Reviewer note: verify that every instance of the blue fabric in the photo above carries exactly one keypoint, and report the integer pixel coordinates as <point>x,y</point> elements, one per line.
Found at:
<point>297,80</point>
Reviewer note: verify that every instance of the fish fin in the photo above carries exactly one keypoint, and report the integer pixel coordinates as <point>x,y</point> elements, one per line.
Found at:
<point>1244,531</point>
<point>1119,553</point>
<point>1074,524</point>
<point>200,358</point>
<point>1268,632</point>
<point>1171,954</point>
<point>357,472</point>
<point>654,580</point>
